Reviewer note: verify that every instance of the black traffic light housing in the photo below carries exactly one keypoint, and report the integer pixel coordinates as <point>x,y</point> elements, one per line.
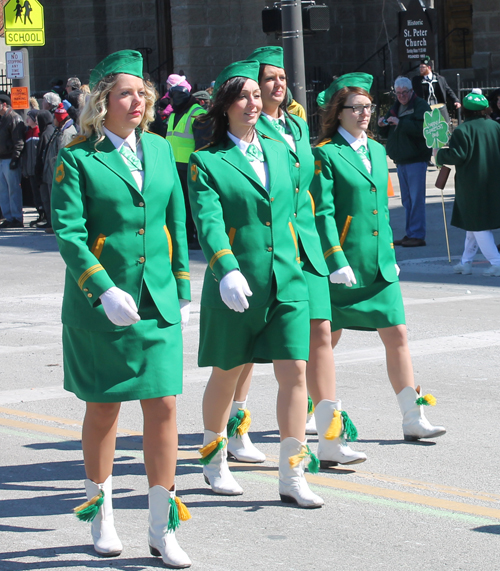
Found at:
<point>315,18</point>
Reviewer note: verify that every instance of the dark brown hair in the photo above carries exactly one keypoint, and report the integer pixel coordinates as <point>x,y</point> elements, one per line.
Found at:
<point>470,114</point>
<point>330,116</point>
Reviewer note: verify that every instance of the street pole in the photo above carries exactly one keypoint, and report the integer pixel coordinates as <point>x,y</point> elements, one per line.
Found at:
<point>293,49</point>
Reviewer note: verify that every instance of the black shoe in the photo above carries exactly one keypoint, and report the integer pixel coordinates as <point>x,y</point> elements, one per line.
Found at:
<point>42,225</point>
<point>7,224</point>
<point>400,242</point>
<point>41,218</point>
<point>413,243</point>
<point>17,223</point>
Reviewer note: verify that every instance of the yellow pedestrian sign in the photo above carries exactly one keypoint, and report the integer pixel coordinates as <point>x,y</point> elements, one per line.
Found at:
<point>23,23</point>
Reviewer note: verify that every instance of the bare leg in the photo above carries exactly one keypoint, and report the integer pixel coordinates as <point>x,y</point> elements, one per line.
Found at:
<point>399,367</point>
<point>218,398</point>
<point>160,440</point>
<point>320,369</point>
<point>292,398</point>
<point>336,337</point>
<point>99,439</point>
<point>244,381</point>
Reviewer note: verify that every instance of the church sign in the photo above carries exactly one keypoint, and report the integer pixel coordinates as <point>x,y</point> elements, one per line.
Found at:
<point>416,34</point>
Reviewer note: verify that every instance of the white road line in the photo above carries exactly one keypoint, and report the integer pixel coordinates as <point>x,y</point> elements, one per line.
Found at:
<point>453,298</point>
<point>30,395</point>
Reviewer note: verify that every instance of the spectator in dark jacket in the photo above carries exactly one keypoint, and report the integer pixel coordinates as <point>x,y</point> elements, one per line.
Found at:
<point>28,161</point>
<point>494,100</point>
<point>46,132</point>
<point>11,145</point>
<point>403,125</point>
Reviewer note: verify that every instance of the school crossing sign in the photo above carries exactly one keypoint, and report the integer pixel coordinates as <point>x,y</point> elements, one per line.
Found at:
<point>23,23</point>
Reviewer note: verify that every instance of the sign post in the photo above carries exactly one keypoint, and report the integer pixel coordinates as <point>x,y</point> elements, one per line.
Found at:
<point>24,24</point>
<point>15,65</point>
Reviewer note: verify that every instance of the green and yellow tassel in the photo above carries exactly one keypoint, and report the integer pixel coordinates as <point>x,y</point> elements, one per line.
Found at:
<point>88,510</point>
<point>305,451</point>
<point>335,428</point>
<point>178,512</point>
<point>427,400</point>
<point>240,423</point>
<point>310,405</point>
<point>350,432</point>
<point>211,449</point>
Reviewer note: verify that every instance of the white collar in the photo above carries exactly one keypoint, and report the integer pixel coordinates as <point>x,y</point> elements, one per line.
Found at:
<point>281,117</point>
<point>351,139</point>
<point>243,145</point>
<point>118,141</point>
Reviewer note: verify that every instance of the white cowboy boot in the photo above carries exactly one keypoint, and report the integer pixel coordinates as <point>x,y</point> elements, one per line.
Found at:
<point>333,448</point>
<point>239,444</point>
<point>311,421</point>
<point>293,486</point>
<point>165,513</point>
<point>99,510</point>
<point>415,425</point>
<point>215,468</point>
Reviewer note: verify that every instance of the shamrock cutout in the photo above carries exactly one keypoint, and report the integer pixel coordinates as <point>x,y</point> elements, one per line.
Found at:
<point>435,129</point>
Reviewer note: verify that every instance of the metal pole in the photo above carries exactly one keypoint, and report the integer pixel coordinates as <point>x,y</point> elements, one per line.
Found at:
<point>459,89</point>
<point>25,82</point>
<point>293,49</point>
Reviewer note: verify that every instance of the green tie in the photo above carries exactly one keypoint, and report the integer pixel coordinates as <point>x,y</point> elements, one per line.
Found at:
<point>279,126</point>
<point>363,153</point>
<point>133,163</point>
<point>254,154</point>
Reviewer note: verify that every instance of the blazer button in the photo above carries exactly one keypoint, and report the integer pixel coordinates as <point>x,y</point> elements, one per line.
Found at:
<point>297,165</point>
<point>268,223</point>
<point>375,233</point>
<point>295,214</point>
<point>373,189</point>
<point>89,295</point>
<point>269,249</point>
<point>297,190</point>
<point>141,231</point>
<point>85,289</point>
<point>141,203</point>
<point>375,212</point>
<point>142,259</point>
<point>272,198</point>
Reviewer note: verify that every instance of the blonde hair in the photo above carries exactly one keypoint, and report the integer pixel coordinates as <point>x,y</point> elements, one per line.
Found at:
<point>92,117</point>
<point>34,103</point>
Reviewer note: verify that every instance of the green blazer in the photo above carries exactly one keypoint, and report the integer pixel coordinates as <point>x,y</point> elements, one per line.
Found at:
<point>352,213</point>
<point>110,234</point>
<point>243,226</point>
<point>304,204</point>
<point>474,149</point>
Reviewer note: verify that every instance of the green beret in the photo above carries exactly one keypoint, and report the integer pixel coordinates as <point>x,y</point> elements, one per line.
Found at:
<point>475,101</point>
<point>245,68</point>
<point>363,80</point>
<point>269,55</point>
<point>124,61</point>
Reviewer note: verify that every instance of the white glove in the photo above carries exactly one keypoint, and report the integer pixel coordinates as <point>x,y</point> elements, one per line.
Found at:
<point>234,291</point>
<point>344,275</point>
<point>185,309</point>
<point>398,269</point>
<point>119,307</point>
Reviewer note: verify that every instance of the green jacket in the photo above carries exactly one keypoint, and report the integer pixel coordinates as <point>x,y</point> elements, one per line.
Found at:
<point>304,204</point>
<point>352,213</point>
<point>474,149</point>
<point>110,234</point>
<point>405,141</point>
<point>242,226</point>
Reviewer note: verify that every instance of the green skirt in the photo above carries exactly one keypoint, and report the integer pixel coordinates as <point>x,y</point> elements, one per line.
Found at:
<point>369,308</point>
<point>280,330</point>
<point>142,361</point>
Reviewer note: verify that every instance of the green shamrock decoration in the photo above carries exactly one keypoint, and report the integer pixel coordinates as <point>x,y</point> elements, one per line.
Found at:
<point>435,129</point>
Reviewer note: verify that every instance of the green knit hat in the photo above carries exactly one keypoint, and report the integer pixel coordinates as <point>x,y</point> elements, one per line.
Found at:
<point>475,101</point>
<point>363,80</point>
<point>245,68</point>
<point>124,61</point>
<point>269,55</point>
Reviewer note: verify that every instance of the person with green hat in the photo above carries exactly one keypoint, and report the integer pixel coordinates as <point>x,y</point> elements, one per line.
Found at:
<point>254,303</point>
<point>349,189</point>
<point>119,219</point>
<point>276,122</point>
<point>474,149</point>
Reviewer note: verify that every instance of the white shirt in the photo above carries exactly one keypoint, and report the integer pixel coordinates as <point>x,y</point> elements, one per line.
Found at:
<point>131,142</point>
<point>261,169</point>
<point>288,138</point>
<point>356,143</point>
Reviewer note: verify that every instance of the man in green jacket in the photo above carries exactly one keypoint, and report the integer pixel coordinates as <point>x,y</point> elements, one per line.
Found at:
<point>403,125</point>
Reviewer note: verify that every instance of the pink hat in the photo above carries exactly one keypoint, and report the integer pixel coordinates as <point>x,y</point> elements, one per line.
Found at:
<point>173,80</point>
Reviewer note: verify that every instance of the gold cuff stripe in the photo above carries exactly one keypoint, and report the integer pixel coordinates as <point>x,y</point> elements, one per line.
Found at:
<point>332,251</point>
<point>181,275</point>
<point>218,255</point>
<point>392,245</point>
<point>169,238</point>
<point>313,205</point>
<point>345,229</point>
<point>87,273</point>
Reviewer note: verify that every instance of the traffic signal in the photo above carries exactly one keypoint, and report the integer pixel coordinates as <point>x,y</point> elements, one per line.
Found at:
<point>315,18</point>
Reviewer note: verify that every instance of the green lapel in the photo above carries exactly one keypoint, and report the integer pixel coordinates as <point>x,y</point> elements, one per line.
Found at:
<point>150,148</point>
<point>110,157</point>
<point>271,156</point>
<point>351,156</point>
<point>232,154</point>
<point>379,161</point>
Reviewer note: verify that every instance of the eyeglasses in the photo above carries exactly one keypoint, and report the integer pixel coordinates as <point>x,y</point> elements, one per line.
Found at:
<point>405,92</point>
<point>358,109</point>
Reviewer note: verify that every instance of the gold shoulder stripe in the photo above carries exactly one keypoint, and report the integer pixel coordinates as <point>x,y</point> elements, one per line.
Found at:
<point>76,141</point>
<point>218,255</point>
<point>324,142</point>
<point>345,229</point>
<point>268,137</point>
<point>87,273</point>
<point>151,133</point>
<point>317,167</point>
<point>313,205</point>
<point>205,147</point>
<point>194,173</point>
<point>181,275</point>
<point>332,251</point>
<point>60,173</point>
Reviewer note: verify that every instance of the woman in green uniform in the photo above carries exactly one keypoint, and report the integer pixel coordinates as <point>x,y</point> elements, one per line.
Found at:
<point>119,219</point>
<point>277,123</point>
<point>254,305</point>
<point>352,216</point>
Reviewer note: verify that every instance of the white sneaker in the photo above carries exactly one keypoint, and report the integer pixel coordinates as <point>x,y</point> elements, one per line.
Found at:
<point>465,269</point>
<point>493,271</point>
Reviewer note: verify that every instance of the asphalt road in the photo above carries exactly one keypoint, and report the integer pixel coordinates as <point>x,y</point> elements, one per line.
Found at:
<point>411,506</point>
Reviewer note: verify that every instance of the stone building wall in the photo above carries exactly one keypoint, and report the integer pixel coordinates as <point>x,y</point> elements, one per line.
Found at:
<point>486,57</point>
